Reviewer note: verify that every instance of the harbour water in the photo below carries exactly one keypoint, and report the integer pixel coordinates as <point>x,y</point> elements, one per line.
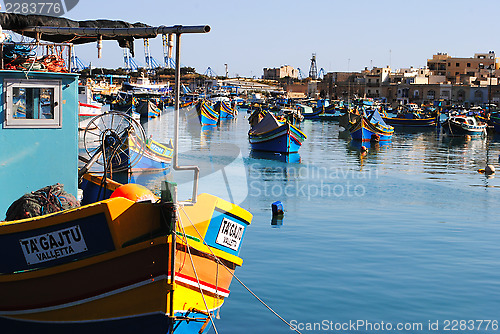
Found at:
<point>407,235</point>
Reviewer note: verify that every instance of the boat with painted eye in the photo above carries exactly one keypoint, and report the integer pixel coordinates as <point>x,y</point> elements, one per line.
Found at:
<point>121,260</point>
<point>370,126</point>
<point>273,135</point>
<point>462,125</point>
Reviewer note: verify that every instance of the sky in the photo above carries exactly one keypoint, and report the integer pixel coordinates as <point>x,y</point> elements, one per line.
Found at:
<point>345,35</point>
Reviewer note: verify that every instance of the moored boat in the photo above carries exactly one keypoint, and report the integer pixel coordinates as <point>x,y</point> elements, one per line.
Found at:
<point>121,261</point>
<point>206,113</point>
<point>462,125</point>
<point>370,126</point>
<point>272,135</point>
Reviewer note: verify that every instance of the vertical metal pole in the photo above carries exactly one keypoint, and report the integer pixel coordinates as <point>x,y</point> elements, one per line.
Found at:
<point>177,97</point>
<point>175,165</point>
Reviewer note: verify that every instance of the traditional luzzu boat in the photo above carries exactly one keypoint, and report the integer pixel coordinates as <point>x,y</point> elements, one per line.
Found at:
<point>225,110</point>
<point>207,115</point>
<point>411,116</point>
<point>309,112</point>
<point>371,126</point>
<point>462,125</point>
<point>122,260</point>
<point>271,135</point>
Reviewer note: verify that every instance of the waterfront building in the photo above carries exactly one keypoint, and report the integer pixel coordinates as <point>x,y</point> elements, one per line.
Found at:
<point>281,72</point>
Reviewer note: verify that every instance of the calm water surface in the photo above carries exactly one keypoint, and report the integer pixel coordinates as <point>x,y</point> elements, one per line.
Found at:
<point>408,233</point>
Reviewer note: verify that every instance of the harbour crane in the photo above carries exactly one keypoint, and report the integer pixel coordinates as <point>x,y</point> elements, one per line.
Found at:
<point>128,60</point>
<point>301,75</point>
<point>77,64</point>
<point>210,73</point>
<point>321,73</point>
<point>168,45</point>
<point>151,63</point>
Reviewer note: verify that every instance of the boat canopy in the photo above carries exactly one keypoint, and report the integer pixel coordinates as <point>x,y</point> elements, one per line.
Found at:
<point>375,117</point>
<point>62,30</point>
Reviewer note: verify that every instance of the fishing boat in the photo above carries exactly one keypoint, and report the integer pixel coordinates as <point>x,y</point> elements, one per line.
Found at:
<point>206,114</point>
<point>272,135</point>
<point>309,112</point>
<point>462,125</point>
<point>121,260</point>
<point>370,126</point>
<point>225,110</point>
<point>87,107</point>
<point>411,116</point>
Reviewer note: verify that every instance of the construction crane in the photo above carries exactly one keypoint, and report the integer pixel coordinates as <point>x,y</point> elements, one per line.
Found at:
<point>313,71</point>
<point>168,45</point>
<point>321,73</point>
<point>151,63</point>
<point>128,60</point>
<point>77,64</point>
<point>301,75</point>
<point>210,73</point>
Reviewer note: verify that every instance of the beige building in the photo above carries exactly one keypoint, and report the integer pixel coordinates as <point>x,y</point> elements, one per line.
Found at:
<point>281,72</point>
<point>459,70</point>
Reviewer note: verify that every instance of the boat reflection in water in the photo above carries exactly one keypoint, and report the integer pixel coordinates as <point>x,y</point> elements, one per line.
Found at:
<point>369,145</point>
<point>290,157</point>
<point>277,221</point>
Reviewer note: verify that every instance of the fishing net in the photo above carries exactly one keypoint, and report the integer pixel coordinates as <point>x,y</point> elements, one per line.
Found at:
<point>43,201</point>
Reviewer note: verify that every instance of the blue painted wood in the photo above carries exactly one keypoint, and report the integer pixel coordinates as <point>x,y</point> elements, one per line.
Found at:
<point>32,158</point>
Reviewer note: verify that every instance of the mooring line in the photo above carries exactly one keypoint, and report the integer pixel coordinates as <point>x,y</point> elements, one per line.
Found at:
<point>232,274</point>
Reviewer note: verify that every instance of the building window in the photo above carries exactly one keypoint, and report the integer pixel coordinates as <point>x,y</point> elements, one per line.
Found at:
<point>457,64</point>
<point>32,103</point>
<point>468,64</point>
<point>457,73</point>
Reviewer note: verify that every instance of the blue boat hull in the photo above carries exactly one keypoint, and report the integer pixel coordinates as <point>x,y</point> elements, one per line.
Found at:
<point>365,132</point>
<point>150,324</point>
<point>283,139</point>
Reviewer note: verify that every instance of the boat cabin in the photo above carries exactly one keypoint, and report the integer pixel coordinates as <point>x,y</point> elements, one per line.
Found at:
<point>38,133</point>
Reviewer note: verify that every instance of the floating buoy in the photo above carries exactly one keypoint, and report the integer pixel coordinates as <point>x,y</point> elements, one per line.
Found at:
<point>277,208</point>
<point>363,149</point>
<point>134,192</point>
<point>489,169</point>
<point>468,137</point>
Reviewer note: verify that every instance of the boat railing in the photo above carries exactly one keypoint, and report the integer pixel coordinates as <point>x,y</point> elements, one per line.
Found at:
<point>36,56</point>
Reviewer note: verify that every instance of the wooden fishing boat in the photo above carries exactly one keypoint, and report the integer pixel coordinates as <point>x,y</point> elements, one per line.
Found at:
<point>462,125</point>
<point>370,126</point>
<point>225,110</point>
<point>122,260</point>
<point>207,115</point>
<point>309,112</point>
<point>410,120</point>
<point>272,135</point>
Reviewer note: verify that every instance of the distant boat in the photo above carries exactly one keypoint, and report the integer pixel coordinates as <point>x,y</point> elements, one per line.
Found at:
<point>156,156</point>
<point>87,107</point>
<point>144,86</point>
<point>225,110</point>
<point>371,126</point>
<point>411,116</point>
<point>207,114</point>
<point>461,125</point>
<point>310,112</point>
<point>275,136</point>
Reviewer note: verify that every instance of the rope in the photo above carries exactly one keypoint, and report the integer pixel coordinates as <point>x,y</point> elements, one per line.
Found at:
<point>232,274</point>
<point>196,274</point>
